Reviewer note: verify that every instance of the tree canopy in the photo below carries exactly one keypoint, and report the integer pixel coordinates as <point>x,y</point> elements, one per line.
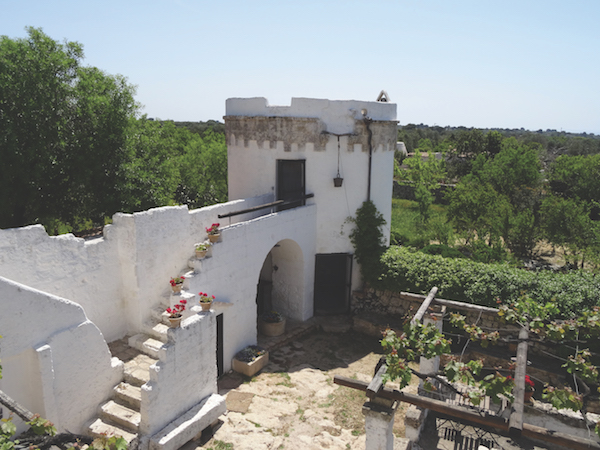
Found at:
<point>75,150</point>
<point>62,132</point>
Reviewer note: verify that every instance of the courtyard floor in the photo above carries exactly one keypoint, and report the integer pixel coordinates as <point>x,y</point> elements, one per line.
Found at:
<point>293,403</point>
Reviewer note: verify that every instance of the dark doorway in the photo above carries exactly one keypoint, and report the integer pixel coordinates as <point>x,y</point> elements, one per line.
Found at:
<point>219,345</point>
<point>264,302</point>
<point>290,182</point>
<point>333,278</point>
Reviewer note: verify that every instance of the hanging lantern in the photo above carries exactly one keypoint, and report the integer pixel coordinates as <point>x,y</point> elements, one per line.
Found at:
<point>337,181</point>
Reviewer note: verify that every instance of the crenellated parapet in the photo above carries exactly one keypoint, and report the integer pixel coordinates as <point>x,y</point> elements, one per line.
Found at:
<point>267,131</point>
<point>306,134</point>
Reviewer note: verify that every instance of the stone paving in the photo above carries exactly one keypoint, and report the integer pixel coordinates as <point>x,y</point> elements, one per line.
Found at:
<point>122,350</point>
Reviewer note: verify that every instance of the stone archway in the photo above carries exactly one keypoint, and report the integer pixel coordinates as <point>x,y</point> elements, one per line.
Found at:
<point>281,282</point>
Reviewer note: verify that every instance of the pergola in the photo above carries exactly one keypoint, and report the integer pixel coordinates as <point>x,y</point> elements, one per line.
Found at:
<point>381,404</point>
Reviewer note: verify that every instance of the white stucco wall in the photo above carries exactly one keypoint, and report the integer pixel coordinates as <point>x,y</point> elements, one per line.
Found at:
<point>87,273</point>
<point>233,271</point>
<point>259,135</point>
<point>118,277</point>
<point>54,350</point>
<point>185,374</point>
<point>113,283</point>
<point>51,355</point>
<point>163,242</point>
<point>339,115</point>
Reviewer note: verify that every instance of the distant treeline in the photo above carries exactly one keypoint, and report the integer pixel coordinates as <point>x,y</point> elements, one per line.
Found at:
<point>511,191</point>
<point>200,127</point>
<point>553,142</point>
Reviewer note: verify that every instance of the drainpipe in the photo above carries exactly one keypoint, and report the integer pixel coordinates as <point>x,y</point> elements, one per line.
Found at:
<point>368,122</point>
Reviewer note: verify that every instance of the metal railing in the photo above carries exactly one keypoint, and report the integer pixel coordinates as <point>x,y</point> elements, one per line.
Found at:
<point>265,206</point>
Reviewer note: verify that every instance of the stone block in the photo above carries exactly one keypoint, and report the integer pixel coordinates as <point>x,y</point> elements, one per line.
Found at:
<point>187,426</point>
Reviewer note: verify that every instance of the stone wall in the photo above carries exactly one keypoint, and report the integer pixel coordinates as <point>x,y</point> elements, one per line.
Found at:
<point>51,354</point>
<point>406,304</point>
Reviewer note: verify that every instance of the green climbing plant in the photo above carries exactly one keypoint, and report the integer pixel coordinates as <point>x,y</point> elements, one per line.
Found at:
<point>368,240</point>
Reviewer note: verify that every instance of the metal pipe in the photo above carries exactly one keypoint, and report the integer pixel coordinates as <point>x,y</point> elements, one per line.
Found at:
<point>368,122</point>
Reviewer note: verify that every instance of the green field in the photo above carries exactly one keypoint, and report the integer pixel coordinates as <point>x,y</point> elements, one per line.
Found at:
<point>407,228</point>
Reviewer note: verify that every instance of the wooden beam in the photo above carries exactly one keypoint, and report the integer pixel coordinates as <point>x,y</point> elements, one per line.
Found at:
<point>474,418</point>
<point>428,403</point>
<point>421,312</point>
<point>464,306</point>
<point>376,383</point>
<point>15,407</point>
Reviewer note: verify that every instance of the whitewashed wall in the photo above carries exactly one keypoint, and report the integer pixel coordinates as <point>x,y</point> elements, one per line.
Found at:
<point>115,278</point>
<point>87,273</point>
<point>51,355</point>
<point>233,271</point>
<point>185,374</point>
<point>163,242</point>
<point>258,135</point>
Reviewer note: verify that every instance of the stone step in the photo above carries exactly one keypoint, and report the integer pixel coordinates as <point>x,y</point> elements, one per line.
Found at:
<point>158,330</point>
<point>189,276</point>
<point>98,428</point>
<point>137,371</point>
<point>121,416</point>
<point>146,344</point>
<point>128,395</point>
<point>158,314</point>
<point>196,264</point>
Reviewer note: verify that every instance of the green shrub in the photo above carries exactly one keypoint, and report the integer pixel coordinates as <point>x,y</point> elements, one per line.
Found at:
<point>484,284</point>
<point>442,250</point>
<point>481,252</point>
<point>397,238</point>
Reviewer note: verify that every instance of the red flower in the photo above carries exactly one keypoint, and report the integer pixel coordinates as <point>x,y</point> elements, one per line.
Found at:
<point>528,381</point>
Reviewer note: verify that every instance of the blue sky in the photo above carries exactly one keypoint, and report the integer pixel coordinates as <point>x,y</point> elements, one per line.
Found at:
<point>509,64</point>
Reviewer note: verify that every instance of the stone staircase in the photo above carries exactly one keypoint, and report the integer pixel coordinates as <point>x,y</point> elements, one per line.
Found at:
<point>120,416</point>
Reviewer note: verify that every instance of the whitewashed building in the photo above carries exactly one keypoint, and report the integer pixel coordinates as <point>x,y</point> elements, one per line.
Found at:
<point>62,299</point>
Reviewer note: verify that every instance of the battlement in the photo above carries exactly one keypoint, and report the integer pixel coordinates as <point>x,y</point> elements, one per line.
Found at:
<point>308,124</point>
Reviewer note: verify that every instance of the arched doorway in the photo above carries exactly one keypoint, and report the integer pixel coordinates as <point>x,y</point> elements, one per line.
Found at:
<point>281,284</point>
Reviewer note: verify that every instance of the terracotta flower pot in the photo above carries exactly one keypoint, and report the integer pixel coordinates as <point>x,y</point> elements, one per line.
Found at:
<point>527,396</point>
<point>206,306</point>
<point>200,254</point>
<point>272,328</point>
<point>214,237</point>
<point>175,322</point>
<point>177,287</point>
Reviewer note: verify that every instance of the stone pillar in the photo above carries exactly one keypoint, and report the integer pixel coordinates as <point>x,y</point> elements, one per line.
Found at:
<point>379,424</point>
<point>415,417</point>
<point>432,365</point>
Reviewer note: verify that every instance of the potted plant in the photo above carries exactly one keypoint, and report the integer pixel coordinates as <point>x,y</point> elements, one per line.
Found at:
<point>213,232</point>
<point>201,249</point>
<point>177,283</point>
<point>250,360</point>
<point>271,323</point>
<point>176,312</point>
<point>206,301</point>
<point>529,388</point>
